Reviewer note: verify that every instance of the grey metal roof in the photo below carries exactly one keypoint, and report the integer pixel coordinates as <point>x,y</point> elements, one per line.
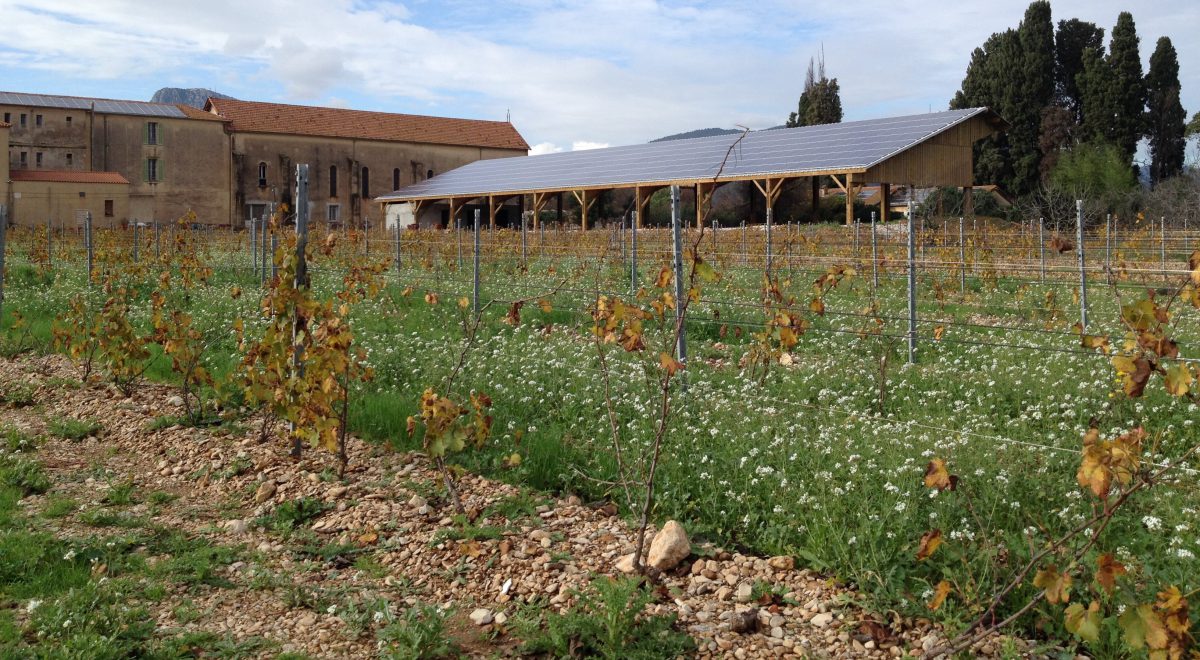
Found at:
<point>106,106</point>
<point>852,146</point>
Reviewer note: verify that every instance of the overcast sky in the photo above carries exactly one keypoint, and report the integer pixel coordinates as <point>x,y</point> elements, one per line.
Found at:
<point>572,73</point>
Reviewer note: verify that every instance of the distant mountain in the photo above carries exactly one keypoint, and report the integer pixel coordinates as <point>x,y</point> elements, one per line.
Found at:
<point>194,97</point>
<point>707,132</point>
<point>698,133</point>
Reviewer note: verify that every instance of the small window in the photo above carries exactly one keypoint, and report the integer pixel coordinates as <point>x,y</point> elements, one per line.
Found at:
<point>24,118</point>
<point>37,121</point>
<point>70,160</point>
<point>333,180</point>
<point>334,214</point>
<point>396,179</point>
<point>262,175</point>
<point>37,158</point>
<point>8,117</point>
<point>152,132</point>
<point>24,159</point>
<point>154,171</point>
<point>108,208</point>
<point>364,181</point>
<point>429,174</point>
<point>68,120</point>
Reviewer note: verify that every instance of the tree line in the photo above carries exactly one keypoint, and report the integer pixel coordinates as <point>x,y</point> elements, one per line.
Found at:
<point>1062,91</point>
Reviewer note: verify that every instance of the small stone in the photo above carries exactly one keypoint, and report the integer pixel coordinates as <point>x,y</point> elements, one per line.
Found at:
<point>744,622</point>
<point>265,492</point>
<point>574,500</point>
<point>482,617</point>
<point>782,563</point>
<point>744,592</point>
<point>625,564</point>
<point>176,401</point>
<point>669,547</point>
<point>416,502</point>
<point>307,621</point>
<point>500,618</point>
<point>777,632</point>
<point>822,620</point>
<point>723,593</point>
<point>236,526</point>
<point>336,492</point>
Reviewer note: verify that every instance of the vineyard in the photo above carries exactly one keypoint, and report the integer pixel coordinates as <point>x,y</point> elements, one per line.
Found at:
<point>975,422</point>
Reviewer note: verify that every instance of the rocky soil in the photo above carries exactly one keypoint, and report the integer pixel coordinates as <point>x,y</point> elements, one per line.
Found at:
<point>390,510</point>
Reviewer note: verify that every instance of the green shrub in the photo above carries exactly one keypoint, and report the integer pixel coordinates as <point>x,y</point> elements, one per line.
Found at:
<point>69,428</point>
<point>24,475</point>
<point>419,635</point>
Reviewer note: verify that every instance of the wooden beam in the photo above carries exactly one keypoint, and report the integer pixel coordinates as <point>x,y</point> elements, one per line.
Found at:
<point>585,205</point>
<point>839,183</point>
<point>539,202</point>
<point>885,201</point>
<point>968,200</point>
<point>704,193</point>
<point>849,188</point>
<point>816,198</point>
<point>492,208</point>
<point>455,207</point>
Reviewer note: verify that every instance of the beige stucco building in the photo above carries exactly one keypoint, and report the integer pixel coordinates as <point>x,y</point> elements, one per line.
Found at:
<point>147,162</point>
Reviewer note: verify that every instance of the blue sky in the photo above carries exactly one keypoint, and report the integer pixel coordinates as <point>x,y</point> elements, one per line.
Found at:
<point>572,73</point>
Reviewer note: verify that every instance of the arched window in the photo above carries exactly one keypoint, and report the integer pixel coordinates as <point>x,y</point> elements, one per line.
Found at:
<point>333,180</point>
<point>262,175</point>
<point>364,180</point>
<point>396,179</point>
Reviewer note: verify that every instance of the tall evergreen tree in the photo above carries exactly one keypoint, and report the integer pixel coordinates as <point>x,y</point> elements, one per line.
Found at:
<point>821,101</point>
<point>1166,118</point>
<point>1032,91</point>
<point>1128,87</point>
<point>1072,38</point>
<point>1097,100</point>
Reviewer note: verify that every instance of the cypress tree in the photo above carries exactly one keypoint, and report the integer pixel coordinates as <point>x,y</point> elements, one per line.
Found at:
<point>821,101</point>
<point>1166,117</point>
<point>1096,99</point>
<point>1128,87</point>
<point>1031,91</point>
<point>1073,37</point>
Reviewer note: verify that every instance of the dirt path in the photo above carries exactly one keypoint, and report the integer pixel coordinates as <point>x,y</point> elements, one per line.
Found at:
<point>322,577</point>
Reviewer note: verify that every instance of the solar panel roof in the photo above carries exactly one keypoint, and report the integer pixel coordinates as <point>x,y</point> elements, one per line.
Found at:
<point>107,106</point>
<point>849,146</point>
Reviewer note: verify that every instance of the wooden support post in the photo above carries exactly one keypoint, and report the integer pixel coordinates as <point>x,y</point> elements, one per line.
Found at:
<point>816,198</point>
<point>885,201</point>
<point>585,205</point>
<point>539,202</point>
<point>968,200</point>
<point>849,199</point>
<point>492,212</point>
<point>704,193</point>
<point>558,217</point>
<point>455,207</point>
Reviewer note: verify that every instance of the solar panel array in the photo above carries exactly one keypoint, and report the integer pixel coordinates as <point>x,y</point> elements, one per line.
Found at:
<point>107,106</point>
<point>793,151</point>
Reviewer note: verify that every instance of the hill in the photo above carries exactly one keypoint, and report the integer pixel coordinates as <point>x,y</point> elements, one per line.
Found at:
<point>195,96</point>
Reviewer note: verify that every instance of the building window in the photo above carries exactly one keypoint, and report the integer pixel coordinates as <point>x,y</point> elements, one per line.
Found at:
<point>429,174</point>
<point>24,159</point>
<point>262,175</point>
<point>37,159</point>
<point>8,117</point>
<point>154,170</point>
<point>333,214</point>
<point>152,132</point>
<point>364,181</point>
<point>396,179</point>
<point>23,119</point>
<point>68,120</point>
<point>37,121</point>
<point>70,160</point>
<point>333,180</point>
<point>108,208</point>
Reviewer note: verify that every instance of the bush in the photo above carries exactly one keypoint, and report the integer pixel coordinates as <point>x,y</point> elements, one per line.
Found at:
<point>24,475</point>
<point>419,635</point>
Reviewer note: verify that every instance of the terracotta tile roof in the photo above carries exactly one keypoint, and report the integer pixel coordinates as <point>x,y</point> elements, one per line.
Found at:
<point>66,176</point>
<point>4,124</point>
<point>197,113</point>
<point>257,117</point>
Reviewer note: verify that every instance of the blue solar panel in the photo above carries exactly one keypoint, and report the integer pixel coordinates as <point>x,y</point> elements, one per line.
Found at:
<point>106,106</point>
<point>791,151</point>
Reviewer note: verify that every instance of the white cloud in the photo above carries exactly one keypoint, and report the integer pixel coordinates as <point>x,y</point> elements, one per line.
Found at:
<point>584,145</point>
<point>544,148</point>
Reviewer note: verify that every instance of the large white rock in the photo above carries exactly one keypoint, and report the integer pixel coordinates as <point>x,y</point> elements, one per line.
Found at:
<point>669,547</point>
<point>481,617</point>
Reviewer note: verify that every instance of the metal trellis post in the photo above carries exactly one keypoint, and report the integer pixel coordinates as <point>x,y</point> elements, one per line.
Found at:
<point>633,274</point>
<point>874,258</point>
<point>475,286</point>
<point>1083,306</point>
<point>912,289</point>
<point>676,221</point>
<point>962,258</point>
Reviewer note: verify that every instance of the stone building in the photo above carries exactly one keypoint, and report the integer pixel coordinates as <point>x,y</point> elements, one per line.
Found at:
<point>131,161</point>
<point>173,159</point>
<point>353,155</point>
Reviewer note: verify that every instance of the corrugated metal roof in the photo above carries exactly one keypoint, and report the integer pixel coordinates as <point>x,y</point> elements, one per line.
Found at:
<point>849,146</point>
<point>66,176</point>
<point>106,106</point>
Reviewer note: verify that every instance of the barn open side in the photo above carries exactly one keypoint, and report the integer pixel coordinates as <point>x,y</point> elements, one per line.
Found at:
<point>934,149</point>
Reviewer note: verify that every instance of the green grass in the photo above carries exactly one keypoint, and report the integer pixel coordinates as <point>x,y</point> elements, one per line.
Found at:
<point>420,634</point>
<point>70,428</point>
<point>24,475</point>
<point>16,440</point>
